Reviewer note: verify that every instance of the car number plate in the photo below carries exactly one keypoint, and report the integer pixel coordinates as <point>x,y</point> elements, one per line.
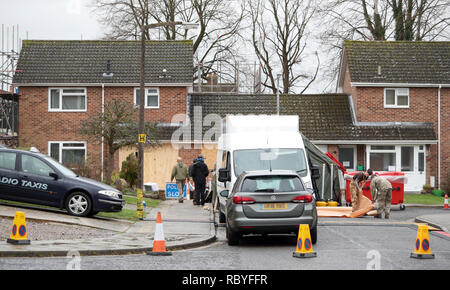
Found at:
<point>273,206</point>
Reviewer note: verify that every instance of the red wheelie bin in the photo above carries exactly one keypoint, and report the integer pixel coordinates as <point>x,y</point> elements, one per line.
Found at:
<point>397,179</point>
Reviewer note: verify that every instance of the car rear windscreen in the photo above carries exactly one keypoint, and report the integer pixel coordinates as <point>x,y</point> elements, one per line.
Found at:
<point>272,183</point>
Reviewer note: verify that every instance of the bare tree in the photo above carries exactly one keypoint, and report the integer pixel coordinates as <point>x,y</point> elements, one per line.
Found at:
<point>219,24</point>
<point>382,20</point>
<point>279,38</point>
<point>118,126</point>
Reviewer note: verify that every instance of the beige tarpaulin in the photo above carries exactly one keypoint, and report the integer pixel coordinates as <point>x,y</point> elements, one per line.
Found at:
<point>365,206</point>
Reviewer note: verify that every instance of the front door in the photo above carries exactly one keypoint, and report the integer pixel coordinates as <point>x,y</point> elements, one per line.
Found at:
<point>412,160</point>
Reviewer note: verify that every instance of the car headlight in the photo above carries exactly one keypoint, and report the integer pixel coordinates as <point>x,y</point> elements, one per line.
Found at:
<point>110,193</point>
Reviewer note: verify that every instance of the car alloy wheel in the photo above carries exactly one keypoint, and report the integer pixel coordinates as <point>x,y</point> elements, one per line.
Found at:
<point>78,204</point>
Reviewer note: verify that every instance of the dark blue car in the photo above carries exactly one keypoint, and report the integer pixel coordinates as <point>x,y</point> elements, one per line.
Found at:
<point>37,178</point>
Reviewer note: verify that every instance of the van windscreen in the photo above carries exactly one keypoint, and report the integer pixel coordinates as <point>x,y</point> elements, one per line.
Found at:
<point>270,159</point>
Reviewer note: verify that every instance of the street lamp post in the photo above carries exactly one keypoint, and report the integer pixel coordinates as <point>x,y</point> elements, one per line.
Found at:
<point>142,137</point>
<point>278,94</point>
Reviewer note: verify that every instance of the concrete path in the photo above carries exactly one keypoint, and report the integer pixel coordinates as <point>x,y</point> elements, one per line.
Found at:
<point>184,225</point>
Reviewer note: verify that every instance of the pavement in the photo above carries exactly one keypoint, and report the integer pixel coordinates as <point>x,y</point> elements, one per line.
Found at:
<point>184,226</point>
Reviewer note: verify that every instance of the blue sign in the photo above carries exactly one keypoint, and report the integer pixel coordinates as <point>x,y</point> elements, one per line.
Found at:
<point>172,190</point>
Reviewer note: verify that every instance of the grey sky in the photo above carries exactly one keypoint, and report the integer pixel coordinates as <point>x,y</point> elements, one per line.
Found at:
<point>50,19</point>
<point>74,19</point>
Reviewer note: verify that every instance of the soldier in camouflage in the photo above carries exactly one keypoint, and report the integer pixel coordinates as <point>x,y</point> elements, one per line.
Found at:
<point>355,188</point>
<point>382,194</point>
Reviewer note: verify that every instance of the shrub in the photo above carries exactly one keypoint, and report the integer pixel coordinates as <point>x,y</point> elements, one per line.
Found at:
<point>129,171</point>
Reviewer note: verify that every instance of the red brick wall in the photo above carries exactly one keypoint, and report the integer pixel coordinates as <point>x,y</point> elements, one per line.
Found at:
<point>423,107</point>
<point>38,126</point>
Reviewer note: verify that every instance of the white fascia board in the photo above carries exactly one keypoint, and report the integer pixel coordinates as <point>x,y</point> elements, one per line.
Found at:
<point>100,84</point>
<point>406,85</point>
<point>387,142</point>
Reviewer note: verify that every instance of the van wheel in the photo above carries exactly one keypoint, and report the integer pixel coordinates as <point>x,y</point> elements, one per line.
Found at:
<point>313,233</point>
<point>232,237</point>
<point>78,204</point>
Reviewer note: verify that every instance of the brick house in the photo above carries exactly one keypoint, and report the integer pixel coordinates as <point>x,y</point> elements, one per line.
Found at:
<point>402,84</point>
<point>366,124</point>
<point>62,83</point>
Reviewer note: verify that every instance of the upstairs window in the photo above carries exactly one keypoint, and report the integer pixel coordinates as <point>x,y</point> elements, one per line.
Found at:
<point>151,97</point>
<point>69,100</point>
<point>396,98</point>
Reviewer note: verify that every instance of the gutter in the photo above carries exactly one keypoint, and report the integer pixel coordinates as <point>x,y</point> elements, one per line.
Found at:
<point>100,84</point>
<point>400,85</point>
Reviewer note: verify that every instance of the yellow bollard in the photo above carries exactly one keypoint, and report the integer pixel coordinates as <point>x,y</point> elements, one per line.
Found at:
<point>19,230</point>
<point>422,246</point>
<point>139,204</point>
<point>304,244</point>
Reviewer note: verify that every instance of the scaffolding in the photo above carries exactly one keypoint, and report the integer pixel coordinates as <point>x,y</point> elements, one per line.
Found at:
<point>9,55</point>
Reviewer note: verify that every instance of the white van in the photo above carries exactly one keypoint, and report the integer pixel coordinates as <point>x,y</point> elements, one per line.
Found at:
<point>258,142</point>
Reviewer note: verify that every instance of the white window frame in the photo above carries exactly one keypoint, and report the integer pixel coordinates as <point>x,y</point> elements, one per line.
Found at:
<point>395,105</point>
<point>67,148</point>
<point>398,160</point>
<point>60,109</point>
<point>146,97</point>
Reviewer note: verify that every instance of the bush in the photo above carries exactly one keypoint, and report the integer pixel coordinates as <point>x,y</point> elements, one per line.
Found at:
<point>129,171</point>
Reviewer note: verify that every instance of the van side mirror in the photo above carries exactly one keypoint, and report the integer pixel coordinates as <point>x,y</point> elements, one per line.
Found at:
<point>54,175</point>
<point>315,172</point>
<point>224,193</point>
<point>224,175</point>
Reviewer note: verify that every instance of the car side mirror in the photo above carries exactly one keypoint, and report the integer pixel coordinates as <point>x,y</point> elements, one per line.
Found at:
<point>54,175</point>
<point>224,193</point>
<point>315,172</point>
<point>224,175</point>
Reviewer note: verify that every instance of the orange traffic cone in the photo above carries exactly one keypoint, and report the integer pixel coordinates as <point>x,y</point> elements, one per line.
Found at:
<point>159,244</point>
<point>304,245</point>
<point>446,202</point>
<point>422,246</point>
<point>19,230</point>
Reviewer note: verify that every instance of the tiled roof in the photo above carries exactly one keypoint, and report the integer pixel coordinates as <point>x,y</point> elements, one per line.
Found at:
<point>324,117</point>
<point>419,62</point>
<point>61,61</point>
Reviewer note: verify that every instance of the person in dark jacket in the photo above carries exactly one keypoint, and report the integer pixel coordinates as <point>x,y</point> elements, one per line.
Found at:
<point>193,193</point>
<point>199,173</point>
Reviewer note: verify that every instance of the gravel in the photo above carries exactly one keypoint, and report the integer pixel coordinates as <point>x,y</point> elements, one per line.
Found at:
<point>44,231</point>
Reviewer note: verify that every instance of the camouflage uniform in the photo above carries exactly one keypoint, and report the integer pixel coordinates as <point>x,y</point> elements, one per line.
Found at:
<point>354,195</point>
<point>355,189</point>
<point>382,194</point>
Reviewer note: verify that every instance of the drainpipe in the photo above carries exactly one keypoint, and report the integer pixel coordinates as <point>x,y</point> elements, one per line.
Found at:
<point>103,138</point>
<point>439,137</point>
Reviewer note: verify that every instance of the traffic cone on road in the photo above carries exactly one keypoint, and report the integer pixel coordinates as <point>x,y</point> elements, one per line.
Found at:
<point>304,244</point>
<point>446,202</point>
<point>19,230</point>
<point>159,244</point>
<point>422,246</point>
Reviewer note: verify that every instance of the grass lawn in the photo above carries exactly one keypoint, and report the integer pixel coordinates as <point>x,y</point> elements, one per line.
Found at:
<point>125,214</point>
<point>423,199</point>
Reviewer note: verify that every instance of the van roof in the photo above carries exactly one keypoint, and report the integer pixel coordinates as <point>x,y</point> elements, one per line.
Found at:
<point>236,141</point>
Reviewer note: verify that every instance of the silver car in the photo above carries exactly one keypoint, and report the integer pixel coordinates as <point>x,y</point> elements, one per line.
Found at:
<point>268,202</point>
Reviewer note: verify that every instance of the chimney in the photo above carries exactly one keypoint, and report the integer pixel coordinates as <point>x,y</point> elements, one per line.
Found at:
<point>108,72</point>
